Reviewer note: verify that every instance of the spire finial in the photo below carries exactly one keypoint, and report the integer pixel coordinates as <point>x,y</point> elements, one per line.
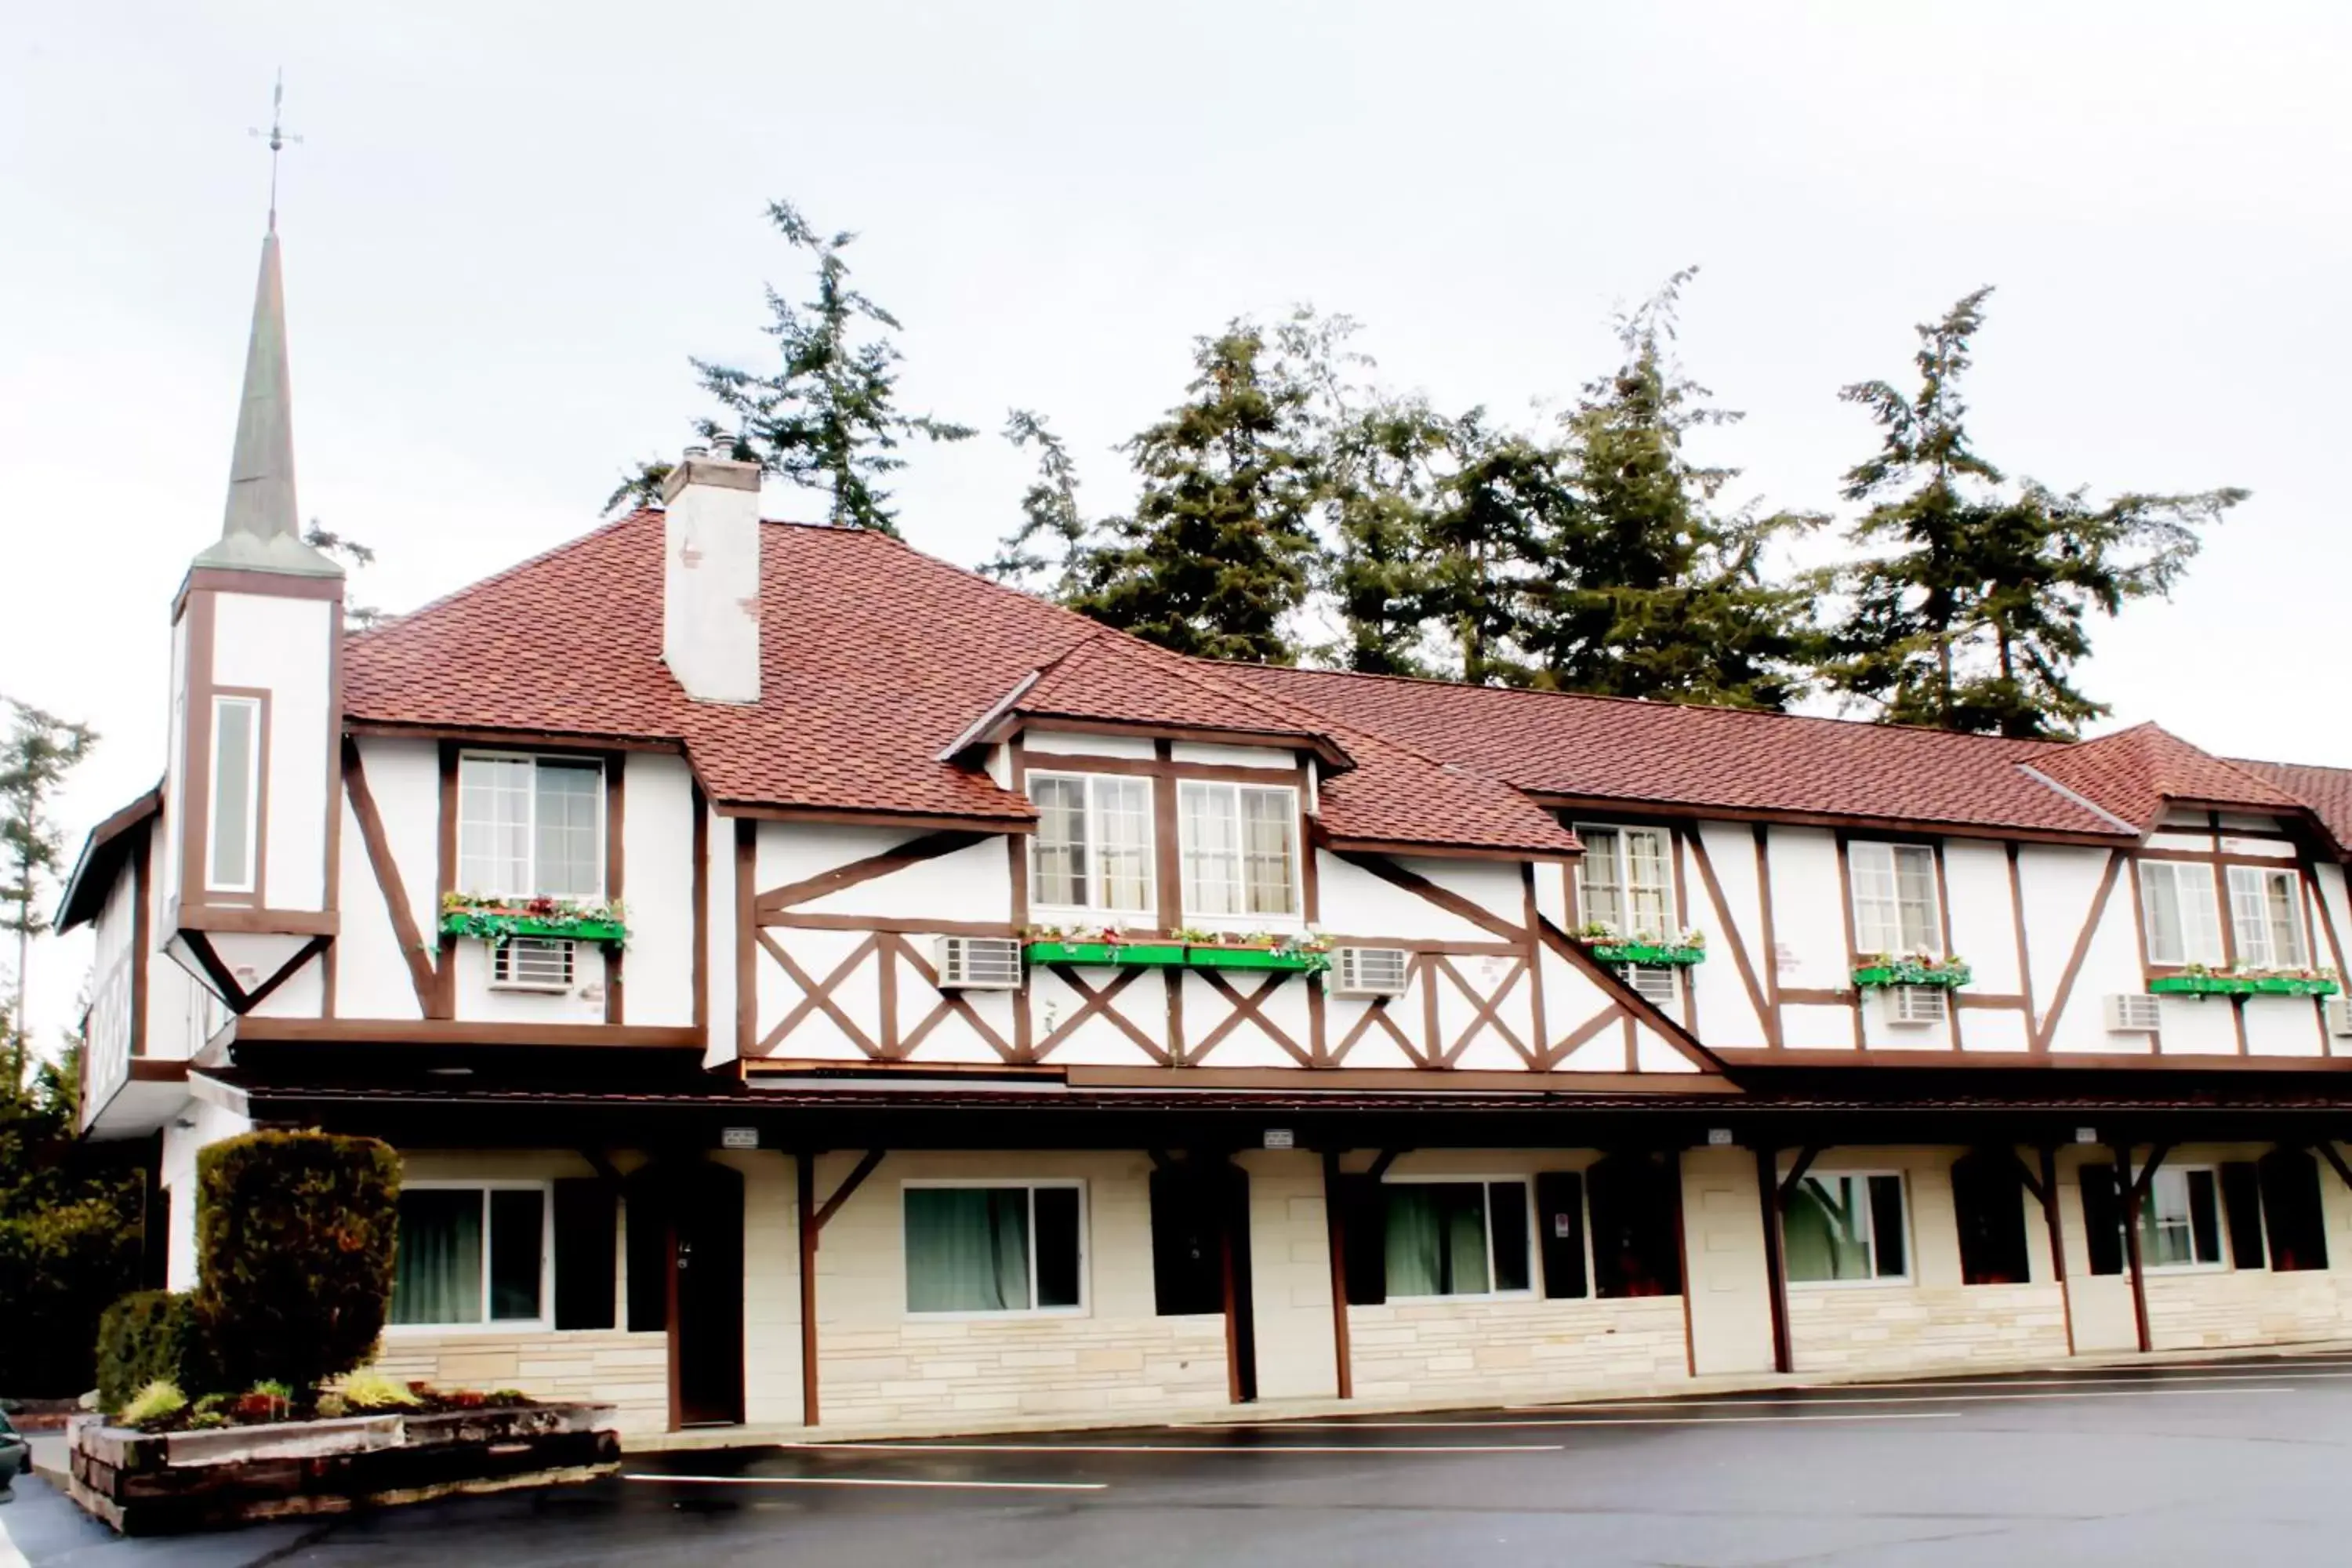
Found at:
<point>278,140</point>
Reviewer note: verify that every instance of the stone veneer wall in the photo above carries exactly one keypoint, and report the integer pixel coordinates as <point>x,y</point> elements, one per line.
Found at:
<point>2204,1310</point>
<point>1897,1329</point>
<point>1498,1352</point>
<point>629,1372</point>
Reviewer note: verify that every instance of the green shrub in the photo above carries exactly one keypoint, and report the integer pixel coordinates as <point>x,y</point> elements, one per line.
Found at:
<point>368,1389</point>
<point>151,1335</point>
<point>158,1399</point>
<point>295,1235</point>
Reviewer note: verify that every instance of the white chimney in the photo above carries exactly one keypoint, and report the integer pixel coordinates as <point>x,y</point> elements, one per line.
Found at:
<point>710,577</point>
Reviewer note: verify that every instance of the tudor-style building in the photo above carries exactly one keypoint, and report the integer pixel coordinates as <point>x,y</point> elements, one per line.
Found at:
<point>809,985</point>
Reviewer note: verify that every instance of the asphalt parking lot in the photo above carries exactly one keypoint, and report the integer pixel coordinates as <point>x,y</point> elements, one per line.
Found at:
<point>2219,1462</point>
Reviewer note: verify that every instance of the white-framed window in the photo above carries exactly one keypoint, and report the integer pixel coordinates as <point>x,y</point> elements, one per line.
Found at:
<point>1626,880</point>
<point>1894,903</point>
<point>1093,847</point>
<point>473,1254</point>
<point>1458,1236</point>
<point>2183,919</point>
<point>232,859</point>
<point>1844,1228</point>
<point>1240,848</point>
<point>2180,1218</point>
<point>995,1249</point>
<point>530,827</point>
<point>2266,917</point>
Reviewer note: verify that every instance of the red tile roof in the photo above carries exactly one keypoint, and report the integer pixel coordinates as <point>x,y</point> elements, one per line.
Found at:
<point>1602,748</point>
<point>875,660</point>
<point>2134,772</point>
<point>2326,792</point>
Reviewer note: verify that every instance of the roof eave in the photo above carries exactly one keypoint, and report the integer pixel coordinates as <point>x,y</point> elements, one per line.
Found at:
<point>94,873</point>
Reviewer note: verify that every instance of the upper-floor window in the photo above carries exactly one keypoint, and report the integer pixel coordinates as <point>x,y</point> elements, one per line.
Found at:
<point>1626,881</point>
<point>531,826</point>
<point>2266,916</point>
<point>231,864</point>
<point>1240,848</point>
<point>2184,922</point>
<point>1894,903</point>
<point>1093,844</point>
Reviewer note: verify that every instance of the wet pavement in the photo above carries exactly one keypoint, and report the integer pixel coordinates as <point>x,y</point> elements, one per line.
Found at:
<point>2228,1461</point>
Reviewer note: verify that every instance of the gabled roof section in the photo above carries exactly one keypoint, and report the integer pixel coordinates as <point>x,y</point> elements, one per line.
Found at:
<point>2135,772</point>
<point>2326,793</point>
<point>100,861</point>
<point>876,661</point>
<point>1580,748</point>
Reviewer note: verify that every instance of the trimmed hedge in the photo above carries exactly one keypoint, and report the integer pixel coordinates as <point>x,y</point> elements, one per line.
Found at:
<point>295,1238</point>
<point>150,1334</point>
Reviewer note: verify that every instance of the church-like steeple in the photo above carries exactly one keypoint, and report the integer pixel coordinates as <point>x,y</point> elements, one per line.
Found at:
<point>262,531</point>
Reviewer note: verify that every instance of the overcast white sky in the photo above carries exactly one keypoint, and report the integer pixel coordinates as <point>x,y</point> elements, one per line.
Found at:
<point>510,225</point>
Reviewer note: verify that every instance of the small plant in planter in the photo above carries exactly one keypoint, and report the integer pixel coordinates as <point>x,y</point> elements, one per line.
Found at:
<point>154,1405</point>
<point>496,920</point>
<point>1874,969</point>
<point>368,1389</point>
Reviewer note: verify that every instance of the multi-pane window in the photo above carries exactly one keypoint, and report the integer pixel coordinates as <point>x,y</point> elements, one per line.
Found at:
<point>470,1255</point>
<point>1844,1228</point>
<point>2184,923</point>
<point>236,791</point>
<point>1093,845</point>
<point>1019,1247</point>
<point>2266,916</point>
<point>1626,880</point>
<point>1895,898</point>
<point>1457,1238</point>
<point>1240,848</point>
<point>530,827</point>
<point>2180,1218</point>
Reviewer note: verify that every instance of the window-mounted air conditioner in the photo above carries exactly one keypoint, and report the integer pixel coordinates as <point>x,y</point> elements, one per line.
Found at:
<point>2134,1012</point>
<point>979,964</point>
<point>2339,1015</point>
<point>1652,983</point>
<point>1368,972</point>
<point>1914,1004</point>
<point>534,963</point>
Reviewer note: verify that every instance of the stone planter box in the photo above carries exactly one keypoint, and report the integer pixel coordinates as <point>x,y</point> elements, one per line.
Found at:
<point>153,1484</point>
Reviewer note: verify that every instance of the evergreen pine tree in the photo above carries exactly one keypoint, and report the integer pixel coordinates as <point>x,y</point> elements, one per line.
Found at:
<point>1654,593</point>
<point>1970,613</point>
<point>1386,470</point>
<point>1508,492</point>
<point>1041,555</point>
<point>827,417</point>
<point>1219,550</point>
<point>39,749</point>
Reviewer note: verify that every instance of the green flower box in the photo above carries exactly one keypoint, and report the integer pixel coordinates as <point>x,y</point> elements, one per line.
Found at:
<point>493,926</point>
<point>1175,955</point>
<point>1946,974</point>
<point>2295,985</point>
<point>2240,985</point>
<point>1646,953</point>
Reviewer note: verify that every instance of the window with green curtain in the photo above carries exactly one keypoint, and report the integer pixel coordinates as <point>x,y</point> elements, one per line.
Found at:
<point>994,1249</point>
<point>449,1270</point>
<point>2180,1219</point>
<point>1456,1238</point>
<point>437,1268</point>
<point>1840,1227</point>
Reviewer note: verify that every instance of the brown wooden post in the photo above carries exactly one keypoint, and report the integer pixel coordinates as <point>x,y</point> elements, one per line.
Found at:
<point>806,1173</point>
<point>2129,1196</point>
<point>1336,1226</point>
<point>1776,1263</point>
<point>2057,1240</point>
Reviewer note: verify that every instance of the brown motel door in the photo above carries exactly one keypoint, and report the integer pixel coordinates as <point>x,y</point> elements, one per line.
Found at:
<point>707,1300</point>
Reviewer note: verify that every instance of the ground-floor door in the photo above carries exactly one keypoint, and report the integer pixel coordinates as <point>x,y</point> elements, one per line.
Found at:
<point>1201,1257</point>
<point>706,1317</point>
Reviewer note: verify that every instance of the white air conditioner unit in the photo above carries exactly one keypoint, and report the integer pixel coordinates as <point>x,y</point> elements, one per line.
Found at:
<point>534,963</point>
<point>1914,1004</point>
<point>2339,1015</point>
<point>1370,972</point>
<point>1652,983</point>
<point>2134,1012</point>
<point>979,964</point>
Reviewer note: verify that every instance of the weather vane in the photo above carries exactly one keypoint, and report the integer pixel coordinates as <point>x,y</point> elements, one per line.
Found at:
<point>278,140</point>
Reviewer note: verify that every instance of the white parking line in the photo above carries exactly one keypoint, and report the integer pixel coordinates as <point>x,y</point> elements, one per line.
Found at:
<point>1532,1420</point>
<point>844,1481</point>
<point>1811,1392</point>
<point>9,1556</point>
<point>943,1448</point>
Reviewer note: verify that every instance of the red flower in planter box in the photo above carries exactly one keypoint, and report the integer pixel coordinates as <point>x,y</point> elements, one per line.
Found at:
<point>467,1399</point>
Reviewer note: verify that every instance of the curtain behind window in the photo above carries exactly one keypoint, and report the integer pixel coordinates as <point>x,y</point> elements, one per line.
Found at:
<point>570,796</point>
<point>1061,844</point>
<point>1123,823</point>
<point>438,1268</point>
<point>1211,846</point>
<point>1437,1239</point>
<point>494,825</point>
<point>1826,1231</point>
<point>1597,893</point>
<point>1268,817</point>
<point>967,1249</point>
